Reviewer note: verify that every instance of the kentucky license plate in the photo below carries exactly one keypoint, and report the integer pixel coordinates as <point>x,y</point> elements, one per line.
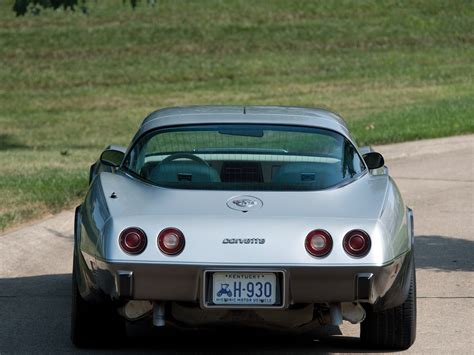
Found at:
<point>244,288</point>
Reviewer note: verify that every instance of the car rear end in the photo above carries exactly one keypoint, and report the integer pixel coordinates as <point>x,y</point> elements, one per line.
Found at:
<point>248,261</point>
<point>262,224</point>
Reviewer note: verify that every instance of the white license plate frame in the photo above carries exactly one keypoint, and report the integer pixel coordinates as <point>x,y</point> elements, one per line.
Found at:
<point>209,289</point>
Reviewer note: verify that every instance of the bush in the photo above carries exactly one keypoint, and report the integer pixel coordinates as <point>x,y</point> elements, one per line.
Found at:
<point>21,7</point>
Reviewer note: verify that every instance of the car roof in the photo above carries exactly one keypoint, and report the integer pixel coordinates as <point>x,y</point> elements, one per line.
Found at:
<point>285,115</point>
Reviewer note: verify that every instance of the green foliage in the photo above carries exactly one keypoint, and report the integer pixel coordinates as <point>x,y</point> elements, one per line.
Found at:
<point>424,120</point>
<point>21,7</point>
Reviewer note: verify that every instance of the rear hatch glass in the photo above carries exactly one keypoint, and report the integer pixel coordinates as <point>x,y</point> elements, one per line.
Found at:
<point>244,157</point>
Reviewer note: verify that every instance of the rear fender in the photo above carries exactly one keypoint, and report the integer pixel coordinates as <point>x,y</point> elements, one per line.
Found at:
<point>398,293</point>
<point>83,275</point>
<point>411,225</point>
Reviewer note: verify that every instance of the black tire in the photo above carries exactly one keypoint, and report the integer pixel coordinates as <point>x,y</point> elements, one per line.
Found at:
<point>94,325</point>
<point>394,328</point>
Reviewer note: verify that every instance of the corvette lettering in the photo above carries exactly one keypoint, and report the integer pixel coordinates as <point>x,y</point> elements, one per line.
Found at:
<point>243,241</point>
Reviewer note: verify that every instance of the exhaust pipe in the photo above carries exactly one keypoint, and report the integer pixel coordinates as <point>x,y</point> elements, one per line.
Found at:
<point>159,314</point>
<point>335,314</point>
<point>353,312</point>
<point>134,310</point>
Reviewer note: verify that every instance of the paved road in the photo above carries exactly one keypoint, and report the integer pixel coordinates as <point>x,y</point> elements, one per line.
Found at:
<point>436,179</point>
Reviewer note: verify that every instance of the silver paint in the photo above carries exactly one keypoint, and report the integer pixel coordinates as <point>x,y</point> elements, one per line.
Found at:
<point>283,219</point>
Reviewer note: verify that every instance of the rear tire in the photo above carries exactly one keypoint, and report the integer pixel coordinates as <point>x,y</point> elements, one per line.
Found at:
<point>394,328</point>
<point>94,325</point>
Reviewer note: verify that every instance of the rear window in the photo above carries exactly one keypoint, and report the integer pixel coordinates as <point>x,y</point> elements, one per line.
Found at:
<point>244,157</point>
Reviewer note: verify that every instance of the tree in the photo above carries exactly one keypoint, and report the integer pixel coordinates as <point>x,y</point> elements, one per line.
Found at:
<point>21,7</point>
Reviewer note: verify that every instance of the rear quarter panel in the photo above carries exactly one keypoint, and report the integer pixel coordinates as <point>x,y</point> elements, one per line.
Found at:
<point>94,215</point>
<point>394,222</point>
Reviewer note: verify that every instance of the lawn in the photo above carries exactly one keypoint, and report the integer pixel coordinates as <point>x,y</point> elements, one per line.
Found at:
<point>72,83</point>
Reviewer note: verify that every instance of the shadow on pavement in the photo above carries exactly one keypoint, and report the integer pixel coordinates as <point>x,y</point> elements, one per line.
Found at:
<point>444,253</point>
<point>35,317</point>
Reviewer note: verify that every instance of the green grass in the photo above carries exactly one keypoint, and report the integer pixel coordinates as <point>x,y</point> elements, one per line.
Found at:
<point>71,84</point>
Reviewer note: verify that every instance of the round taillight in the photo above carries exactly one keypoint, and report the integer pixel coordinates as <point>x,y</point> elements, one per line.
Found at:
<point>356,243</point>
<point>318,242</point>
<point>171,241</point>
<point>133,240</point>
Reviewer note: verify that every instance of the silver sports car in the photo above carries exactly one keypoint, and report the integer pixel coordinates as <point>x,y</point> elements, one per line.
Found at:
<point>265,216</point>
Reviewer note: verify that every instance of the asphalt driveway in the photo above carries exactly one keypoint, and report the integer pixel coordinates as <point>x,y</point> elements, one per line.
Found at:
<point>436,178</point>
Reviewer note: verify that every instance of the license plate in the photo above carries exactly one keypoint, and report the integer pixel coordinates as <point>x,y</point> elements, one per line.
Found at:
<point>244,288</point>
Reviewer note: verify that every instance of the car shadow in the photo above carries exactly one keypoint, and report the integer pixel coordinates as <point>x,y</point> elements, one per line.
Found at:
<point>443,253</point>
<point>35,317</point>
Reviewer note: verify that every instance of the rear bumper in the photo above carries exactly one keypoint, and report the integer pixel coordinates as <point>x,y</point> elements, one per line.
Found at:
<point>302,284</point>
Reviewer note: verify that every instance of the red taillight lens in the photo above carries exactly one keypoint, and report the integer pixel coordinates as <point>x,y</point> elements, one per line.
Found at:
<point>318,242</point>
<point>171,241</point>
<point>356,243</point>
<point>133,240</point>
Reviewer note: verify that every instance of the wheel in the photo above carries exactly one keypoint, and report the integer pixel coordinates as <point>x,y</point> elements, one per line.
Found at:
<point>93,324</point>
<point>394,328</point>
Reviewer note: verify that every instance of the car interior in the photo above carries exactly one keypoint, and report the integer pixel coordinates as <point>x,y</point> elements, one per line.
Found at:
<point>189,168</point>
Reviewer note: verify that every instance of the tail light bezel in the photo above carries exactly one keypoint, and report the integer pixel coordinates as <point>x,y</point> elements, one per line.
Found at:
<point>127,248</point>
<point>323,251</point>
<point>167,251</point>
<point>360,252</point>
